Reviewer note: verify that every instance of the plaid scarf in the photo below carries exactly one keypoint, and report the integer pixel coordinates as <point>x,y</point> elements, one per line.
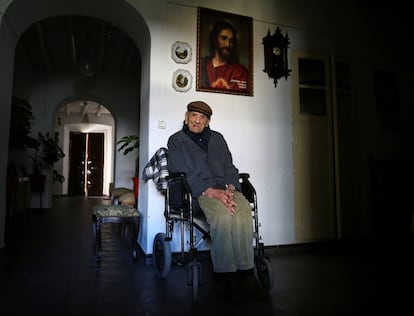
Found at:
<point>157,169</point>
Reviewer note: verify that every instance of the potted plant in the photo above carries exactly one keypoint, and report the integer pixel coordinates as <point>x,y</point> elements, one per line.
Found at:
<point>20,140</point>
<point>47,153</point>
<point>20,130</point>
<point>128,144</point>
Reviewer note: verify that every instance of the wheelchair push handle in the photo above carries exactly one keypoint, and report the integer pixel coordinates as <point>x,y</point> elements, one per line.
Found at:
<point>179,178</point>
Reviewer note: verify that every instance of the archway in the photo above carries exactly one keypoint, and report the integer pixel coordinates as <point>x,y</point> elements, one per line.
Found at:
<point>13,25</point>
<point>78,120</point>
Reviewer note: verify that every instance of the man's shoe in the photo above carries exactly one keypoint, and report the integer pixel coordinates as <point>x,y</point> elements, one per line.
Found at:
<point>228,289</point>
<point>251,286</point>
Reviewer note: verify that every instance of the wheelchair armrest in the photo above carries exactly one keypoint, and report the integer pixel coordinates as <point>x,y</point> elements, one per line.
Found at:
<point>244,175</point>
<point>175,176</point>
<point>179,177</point>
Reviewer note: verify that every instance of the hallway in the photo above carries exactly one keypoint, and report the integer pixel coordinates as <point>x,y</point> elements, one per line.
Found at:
<point>48,267</point>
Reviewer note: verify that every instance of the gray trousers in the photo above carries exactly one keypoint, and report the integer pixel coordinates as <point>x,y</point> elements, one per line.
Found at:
<point>231,235</point>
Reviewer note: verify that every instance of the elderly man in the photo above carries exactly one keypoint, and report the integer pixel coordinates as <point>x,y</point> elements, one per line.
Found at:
<point>203,155</point>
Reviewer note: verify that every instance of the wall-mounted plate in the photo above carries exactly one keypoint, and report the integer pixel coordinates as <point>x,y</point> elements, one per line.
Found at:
<point>181,52</point>
<point>182,80</point>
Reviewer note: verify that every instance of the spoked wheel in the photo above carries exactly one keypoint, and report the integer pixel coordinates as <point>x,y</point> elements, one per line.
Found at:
<point>265,273</point>
<point>161,255</point>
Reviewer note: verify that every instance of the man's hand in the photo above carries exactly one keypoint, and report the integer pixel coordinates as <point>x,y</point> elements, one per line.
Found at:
<point>225,196</point>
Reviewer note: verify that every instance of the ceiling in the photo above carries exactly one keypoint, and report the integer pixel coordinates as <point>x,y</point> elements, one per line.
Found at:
<point>80,45</point>
<point>83,108</point>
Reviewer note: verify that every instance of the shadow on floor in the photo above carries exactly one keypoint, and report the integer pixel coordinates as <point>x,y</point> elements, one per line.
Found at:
<point>48,267</point>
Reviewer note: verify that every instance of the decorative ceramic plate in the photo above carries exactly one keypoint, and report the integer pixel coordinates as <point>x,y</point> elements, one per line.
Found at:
<point>182,80</point>
<point>181,52</point>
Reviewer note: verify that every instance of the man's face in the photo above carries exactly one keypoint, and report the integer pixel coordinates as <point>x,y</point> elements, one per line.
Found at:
<point>196,121</point>
<point>225,43</point>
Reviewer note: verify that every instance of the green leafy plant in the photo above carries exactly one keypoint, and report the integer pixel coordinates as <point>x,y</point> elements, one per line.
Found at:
<point>20,138</point>
<point>20,130</point>
<point>128,143</point>
<point>47,153</point>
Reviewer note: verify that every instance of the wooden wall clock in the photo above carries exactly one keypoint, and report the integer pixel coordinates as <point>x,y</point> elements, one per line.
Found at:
<point>275,55</point>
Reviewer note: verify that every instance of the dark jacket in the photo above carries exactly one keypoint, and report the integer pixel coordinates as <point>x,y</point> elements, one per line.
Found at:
<point>213,168</point>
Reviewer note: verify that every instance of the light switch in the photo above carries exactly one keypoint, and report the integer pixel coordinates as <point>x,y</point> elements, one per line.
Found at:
<point>162,124</point>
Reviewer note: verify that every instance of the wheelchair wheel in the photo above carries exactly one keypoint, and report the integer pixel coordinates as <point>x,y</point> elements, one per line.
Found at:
<point>265,273</point>
<point>161,255</point>
<point>194,277</point>
<point>195,281</point>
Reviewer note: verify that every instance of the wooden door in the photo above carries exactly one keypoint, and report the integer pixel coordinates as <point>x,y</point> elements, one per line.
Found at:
<point>95,163</point>
<point>86,164</point>
<point>77,154</point>
<point>313,152</point>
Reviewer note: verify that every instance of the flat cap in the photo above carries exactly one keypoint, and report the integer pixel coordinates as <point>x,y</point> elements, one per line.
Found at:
<point>201,107</point>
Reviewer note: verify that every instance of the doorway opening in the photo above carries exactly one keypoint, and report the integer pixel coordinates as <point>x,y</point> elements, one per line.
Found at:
<point>87,128</point>
<point>43,80</point>
<point>86,160</point>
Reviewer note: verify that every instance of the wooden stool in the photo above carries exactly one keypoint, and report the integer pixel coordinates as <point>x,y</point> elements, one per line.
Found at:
<point>117,214</point>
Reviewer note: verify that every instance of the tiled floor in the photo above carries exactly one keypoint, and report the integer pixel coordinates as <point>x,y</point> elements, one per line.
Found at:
<point>48,268</point>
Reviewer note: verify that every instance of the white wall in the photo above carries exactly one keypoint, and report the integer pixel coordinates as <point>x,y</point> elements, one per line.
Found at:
<point>257,128</point>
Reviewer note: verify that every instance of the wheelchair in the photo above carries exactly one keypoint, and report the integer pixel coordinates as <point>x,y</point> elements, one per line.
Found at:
<point>182,209</point>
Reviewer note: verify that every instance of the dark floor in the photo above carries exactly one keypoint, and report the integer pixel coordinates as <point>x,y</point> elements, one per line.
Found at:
<point>48,268</point>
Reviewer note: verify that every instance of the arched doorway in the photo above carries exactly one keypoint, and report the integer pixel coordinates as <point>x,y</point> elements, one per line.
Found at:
<point>87,130</point>
<point>125,17</point>
<point>83,59</point>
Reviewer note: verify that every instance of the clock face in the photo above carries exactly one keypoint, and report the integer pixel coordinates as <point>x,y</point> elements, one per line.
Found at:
<point>276,50</point>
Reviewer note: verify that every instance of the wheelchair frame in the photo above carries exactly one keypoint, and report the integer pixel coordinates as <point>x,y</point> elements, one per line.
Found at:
<point>179,208</point>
